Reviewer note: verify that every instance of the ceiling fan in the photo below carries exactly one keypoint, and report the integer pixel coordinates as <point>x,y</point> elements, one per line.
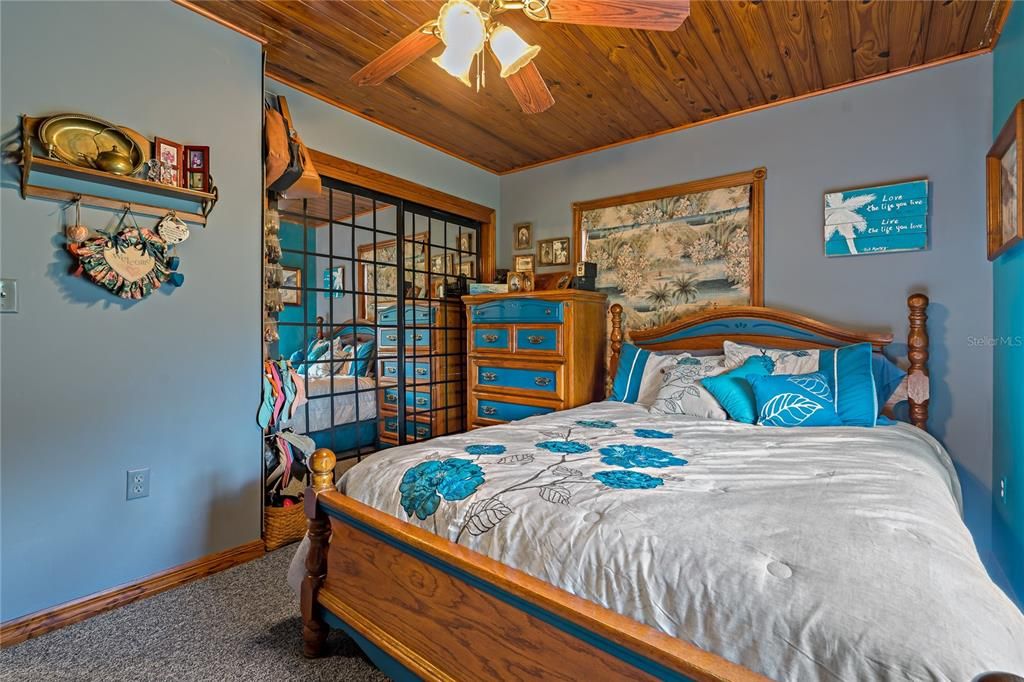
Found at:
<point>466,27</point>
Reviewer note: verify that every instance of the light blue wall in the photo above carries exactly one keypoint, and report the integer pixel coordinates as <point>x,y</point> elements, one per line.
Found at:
<point>337,132</point>
<point>934,123</point>
<point>92,386</point>
<point>1008,331</point>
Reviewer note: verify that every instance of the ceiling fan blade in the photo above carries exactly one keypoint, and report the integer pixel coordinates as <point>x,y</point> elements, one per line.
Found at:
<point>647,15</point>
<point>530,89</point>
<point>397,57</point>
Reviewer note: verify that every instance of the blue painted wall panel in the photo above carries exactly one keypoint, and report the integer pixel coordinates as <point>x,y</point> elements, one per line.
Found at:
<point>1008,336</point>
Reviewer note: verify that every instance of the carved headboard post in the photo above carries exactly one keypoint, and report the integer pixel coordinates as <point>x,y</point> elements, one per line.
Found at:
<point>320,334</point>
<point>615,346</point>
<point>917,353</point>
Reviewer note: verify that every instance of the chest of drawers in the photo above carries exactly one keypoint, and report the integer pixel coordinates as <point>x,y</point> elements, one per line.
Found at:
<point>534,353</point>
<point>433,371</point>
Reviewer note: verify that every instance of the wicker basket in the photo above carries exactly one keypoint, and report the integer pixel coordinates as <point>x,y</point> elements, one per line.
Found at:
<point>283,525</point>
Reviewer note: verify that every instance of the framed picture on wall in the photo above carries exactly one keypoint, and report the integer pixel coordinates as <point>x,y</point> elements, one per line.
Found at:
<point>334,282</point>
<point>523,263</point>
<point>553,251</point>
<point>291,286</point>
<point>1004,172</point>
<point>522,236</point>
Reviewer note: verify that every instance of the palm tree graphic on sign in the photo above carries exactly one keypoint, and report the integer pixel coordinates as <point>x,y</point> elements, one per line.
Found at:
<point>841,216</point>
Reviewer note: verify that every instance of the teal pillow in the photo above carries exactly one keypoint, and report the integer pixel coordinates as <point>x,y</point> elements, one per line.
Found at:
<point>850,374</point>
<point>629,374</point>
<point>888,375</point>
<point>794,400</point>
<point>360,367</point>
<point>733,391</point>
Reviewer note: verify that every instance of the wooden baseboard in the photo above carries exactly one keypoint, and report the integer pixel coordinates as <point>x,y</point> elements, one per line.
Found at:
<point>34,624</point>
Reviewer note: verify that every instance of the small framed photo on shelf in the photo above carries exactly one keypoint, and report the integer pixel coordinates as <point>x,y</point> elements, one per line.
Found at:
<point>522,236</point>
<point>553,251</point>
<point>292,278</point>
<point>523,263</point>
<point>169,162</point>
<point>519,282</point>
<point>1004,165</point>
<point>466,241</point>
<point>467,268</point>
<point>197,168</point>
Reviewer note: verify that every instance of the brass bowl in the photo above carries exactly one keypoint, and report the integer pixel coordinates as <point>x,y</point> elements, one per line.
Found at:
<point>79,139</point>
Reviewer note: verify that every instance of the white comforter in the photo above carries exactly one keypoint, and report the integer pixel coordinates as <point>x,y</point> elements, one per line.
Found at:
<point>344,403</point>
<point>803,554</point>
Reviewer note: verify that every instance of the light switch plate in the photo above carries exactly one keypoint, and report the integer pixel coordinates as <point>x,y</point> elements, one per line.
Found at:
<point>8,295</point>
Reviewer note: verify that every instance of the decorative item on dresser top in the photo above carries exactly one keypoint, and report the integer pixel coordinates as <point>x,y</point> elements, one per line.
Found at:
<point>429,395</point>
<point>533,353</point>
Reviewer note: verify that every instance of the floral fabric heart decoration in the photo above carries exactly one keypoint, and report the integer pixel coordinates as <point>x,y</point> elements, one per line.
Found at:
<point>131,263</point>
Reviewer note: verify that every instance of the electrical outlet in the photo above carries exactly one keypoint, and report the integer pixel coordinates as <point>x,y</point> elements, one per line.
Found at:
<point>138,483</point>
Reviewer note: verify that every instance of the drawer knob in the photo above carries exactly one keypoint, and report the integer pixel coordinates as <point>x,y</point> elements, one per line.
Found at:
<point>421,401</point>
<point>535,340</point>
<point>421,432</point>
<point>421,371</point>
<point>489,376</point>
<point>487,409</point>
<point>418,337</point>
<point>389,370</point>
<point>490,338</point>
<point>391,337</point>
<point>542,381</point>
<point>390,398</point>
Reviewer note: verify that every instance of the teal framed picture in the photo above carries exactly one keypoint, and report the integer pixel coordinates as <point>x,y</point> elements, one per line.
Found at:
<point>878,219</point>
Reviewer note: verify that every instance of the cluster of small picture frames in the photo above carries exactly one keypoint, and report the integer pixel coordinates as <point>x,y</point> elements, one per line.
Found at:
<point>178,165</point>
<point>550,252</point>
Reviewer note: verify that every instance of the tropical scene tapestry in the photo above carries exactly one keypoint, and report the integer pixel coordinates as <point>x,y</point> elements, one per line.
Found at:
<point>667,257</point>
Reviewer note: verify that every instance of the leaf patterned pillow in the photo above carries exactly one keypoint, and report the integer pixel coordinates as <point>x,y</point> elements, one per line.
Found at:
<point>681,392</point>
<point>794,400</point>
<point>786,361</point>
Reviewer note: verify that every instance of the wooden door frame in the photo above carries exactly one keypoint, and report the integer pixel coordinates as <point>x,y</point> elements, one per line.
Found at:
<point>378,181</point>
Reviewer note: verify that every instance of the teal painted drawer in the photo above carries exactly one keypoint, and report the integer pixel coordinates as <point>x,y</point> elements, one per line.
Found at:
<point>518,310</point>
<point>510,377</point>
<point>418,400</point>
<point>537,339</point>
<point>413,429</point>
<point>491,339</point>
<point>414,371</point>
<point>507,412</point>
<point>414,314</point>
<point>387,338</point>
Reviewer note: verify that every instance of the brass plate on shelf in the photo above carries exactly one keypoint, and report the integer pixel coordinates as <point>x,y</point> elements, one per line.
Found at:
<point>78,138</point>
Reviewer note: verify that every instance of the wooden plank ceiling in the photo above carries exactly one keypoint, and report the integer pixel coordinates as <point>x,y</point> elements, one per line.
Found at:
<point>610,85</point>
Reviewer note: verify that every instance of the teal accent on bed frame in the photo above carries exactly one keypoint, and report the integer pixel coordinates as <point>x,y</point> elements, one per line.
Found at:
<point>643,664</point>
<point>742,325</point>
<point>387,665</point>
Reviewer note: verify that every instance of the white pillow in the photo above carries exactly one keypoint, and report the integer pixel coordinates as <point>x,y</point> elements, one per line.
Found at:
<point>786,361</point>
<point>681,392</point>
<point>654,377</point>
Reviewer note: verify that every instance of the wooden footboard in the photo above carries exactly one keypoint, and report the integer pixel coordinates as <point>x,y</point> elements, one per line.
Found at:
<point>444,612</point>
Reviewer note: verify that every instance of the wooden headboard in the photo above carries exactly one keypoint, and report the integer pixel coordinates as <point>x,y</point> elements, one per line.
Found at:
<point>774,328</point>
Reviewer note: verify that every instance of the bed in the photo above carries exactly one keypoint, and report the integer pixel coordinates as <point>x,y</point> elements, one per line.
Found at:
<point>341,411</point>
<point>670,547</point>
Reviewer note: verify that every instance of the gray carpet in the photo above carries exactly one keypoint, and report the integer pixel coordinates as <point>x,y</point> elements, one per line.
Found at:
<point>241,624</point>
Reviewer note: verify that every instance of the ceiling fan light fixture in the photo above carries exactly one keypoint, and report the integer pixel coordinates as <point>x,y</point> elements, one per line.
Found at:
<point>457,63</point>
<point>513,52</point>
<point>462,26</point>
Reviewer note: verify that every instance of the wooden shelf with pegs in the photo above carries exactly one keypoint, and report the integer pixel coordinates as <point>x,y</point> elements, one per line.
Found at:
<point>29,163</point>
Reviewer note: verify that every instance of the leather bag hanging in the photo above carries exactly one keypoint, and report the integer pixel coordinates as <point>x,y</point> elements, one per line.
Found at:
<point>276,141</point>
<point>307,184</point>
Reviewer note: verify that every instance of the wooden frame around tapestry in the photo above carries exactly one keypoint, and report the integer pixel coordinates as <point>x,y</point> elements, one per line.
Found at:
<point>713,246</point>
<point>1004,173</point>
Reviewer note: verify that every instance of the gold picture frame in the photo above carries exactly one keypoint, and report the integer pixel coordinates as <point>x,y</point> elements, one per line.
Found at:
<point>522,236</point>
<point>523,262</point>
<point>1004,173</point>
<point>554,252</point>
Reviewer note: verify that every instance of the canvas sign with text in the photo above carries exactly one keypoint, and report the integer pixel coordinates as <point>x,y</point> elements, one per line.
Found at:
<point>877,219</point>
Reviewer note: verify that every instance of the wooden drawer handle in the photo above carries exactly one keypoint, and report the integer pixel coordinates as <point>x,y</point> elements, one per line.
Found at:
<point>542,381</point>
<point>535,340</point>
<point>491,338</point>
<point>489,376</point>
<point>487,409</point>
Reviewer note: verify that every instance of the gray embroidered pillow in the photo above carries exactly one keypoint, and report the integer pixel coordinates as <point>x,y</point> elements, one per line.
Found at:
<point>681,392</point>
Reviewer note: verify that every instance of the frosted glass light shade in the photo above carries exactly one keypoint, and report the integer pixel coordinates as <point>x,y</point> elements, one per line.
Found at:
<point>461,26</point>
<point>513,52</point>
<point>456,62</point>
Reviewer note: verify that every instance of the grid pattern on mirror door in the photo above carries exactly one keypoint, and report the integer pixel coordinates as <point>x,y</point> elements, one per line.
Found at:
<point>382,364</point>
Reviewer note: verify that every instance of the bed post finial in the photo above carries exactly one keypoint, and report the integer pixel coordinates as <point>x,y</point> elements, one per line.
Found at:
<point>321,479</point>
<point>615,347</point>
<point>917,353</point>
<point>320,327</point>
